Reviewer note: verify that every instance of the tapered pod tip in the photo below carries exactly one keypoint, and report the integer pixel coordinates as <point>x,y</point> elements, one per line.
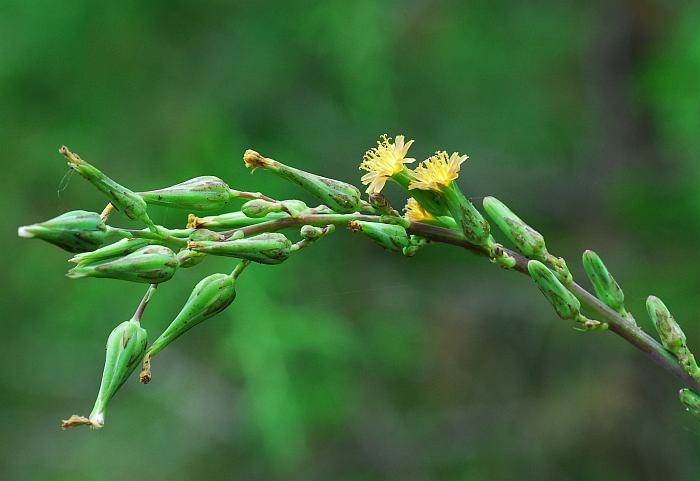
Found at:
<point>254,160</point>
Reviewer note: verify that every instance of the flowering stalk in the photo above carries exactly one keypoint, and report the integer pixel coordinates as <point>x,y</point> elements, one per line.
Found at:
<point>437,211</point>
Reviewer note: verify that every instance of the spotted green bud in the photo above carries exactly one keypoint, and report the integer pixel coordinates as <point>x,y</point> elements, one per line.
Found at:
<point>473,225</point>
<point>126,346</point>
<point>268,248</point>
<point>232,220</point>
<point>205,193</point>
<point>526,239</point>
<point>311,232</point>
<point>564,302</point>
<point>188,258</point>
<point>340,196</point>
<point>120,248</point>
<point>151,264</point>
<point>206,234</point>
<point>75,231</point>
<point>670,332</point>
<point>258,208</point>
<point>294,207</point>
<point>691,401</point>
<point>123,199</point>
<point>605,286</point>
<point>209,297</point>
<point>381,204</point>
<point>391,237</point>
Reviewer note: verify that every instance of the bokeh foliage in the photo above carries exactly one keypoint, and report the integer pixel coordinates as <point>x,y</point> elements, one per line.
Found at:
<point>347,363</point>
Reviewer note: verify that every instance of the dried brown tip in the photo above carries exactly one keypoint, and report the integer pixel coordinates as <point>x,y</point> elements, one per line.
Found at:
<point>254,160</point>
<point>145,376</point>
<point>354,226</point>
<point>192,221</point>
<point>72,158</point>
<point>76,420</point>
<point>106,212</point>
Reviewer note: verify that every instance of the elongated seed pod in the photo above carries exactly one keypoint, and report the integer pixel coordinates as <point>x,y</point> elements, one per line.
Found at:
<point>210,296</point>
<point>269,248</point>
<point>391,237</point>
<point>120,248</point>
<point>566,305</point>
<point>605,286</point>
<point>74,231</point>
<point>340,196</point>
<point>231,220</point>
<point>150,265</point>
<point>526,239</point>
<point>122,199</point>
<point>205,193</point>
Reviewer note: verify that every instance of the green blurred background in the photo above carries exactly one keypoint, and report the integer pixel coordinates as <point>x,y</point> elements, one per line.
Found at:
<point>346,362</point>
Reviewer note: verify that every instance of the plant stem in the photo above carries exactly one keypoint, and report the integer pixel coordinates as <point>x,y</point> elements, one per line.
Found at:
<point>617,324</point>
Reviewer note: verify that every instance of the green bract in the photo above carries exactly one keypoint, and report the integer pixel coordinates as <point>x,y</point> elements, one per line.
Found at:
<point>269,248</point>
<point>75,231</point>
<point>205,193</point>
<point>121,198</point>
<point>339,196</point>
<point>150,264</point>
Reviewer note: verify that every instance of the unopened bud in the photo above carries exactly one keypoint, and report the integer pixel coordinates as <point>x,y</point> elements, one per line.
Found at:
<point>121,198</point>
<point>311,232</point>
<point>126,346</point>
<point>475,228</point>
<point>75,231</point>
<point>294,207</point>
<point>381,204</point>
<point>691,401</point>
<point>205,193</point>
<point>670,332</point>
<point>210,296</point>
<point>189,258</point>
<point>257,208</point>
<point>566,305</point>
<point>268,248</point>
<point>391,237</point>
<point>151,264</point>
<point>340,196</point>
<point>605,286</point>
<point>525,238</point>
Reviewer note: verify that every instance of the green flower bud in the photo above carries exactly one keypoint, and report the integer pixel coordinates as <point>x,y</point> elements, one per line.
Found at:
<point>670,332</point>
<point>381,204</point>
<point>126,346</point>
<point>605,286</point>
<point>121,198</point>
<point>75,231</point>
<point>294,207</point>
<point>210,296</point>
<point>205,193</point>
<point>525,238</point>
<point>206,234</point>
<point>339,196</point>
<point>120,248</point>
<point>269,248</point>
<point>189,258</point>
<point>232,220</point>
<point>257,208</point>
<point>151,264</point>
<point>473,225</point>
<point>691,401</point>
<point>566,305</point>
<point>311,232</point>
<point>391,237</point>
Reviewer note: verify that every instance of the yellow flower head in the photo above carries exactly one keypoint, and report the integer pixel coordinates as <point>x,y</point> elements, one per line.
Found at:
<point>383,161</point>
<point>415,212</point>
<point>437,171</point>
